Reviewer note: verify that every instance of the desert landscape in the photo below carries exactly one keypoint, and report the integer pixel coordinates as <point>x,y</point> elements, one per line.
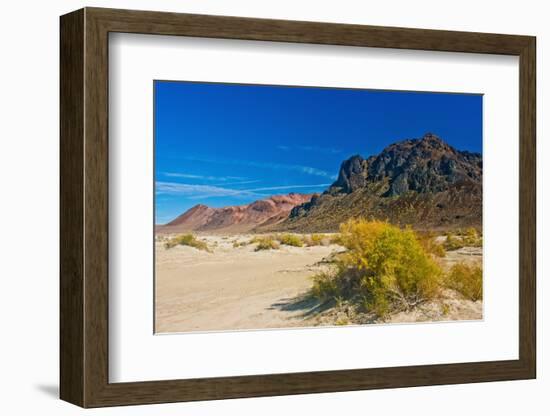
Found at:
<point>235,287</point>
<point>396,238</point>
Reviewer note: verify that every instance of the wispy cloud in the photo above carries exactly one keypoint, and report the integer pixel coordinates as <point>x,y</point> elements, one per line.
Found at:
<point>275,188</point>
<point>205,191</point>
<point>265,165</point>
<point>193,191</point>
<point>202,177</point>
<point>325,150</point>
<point>237,183</point>
<point>329,150</point>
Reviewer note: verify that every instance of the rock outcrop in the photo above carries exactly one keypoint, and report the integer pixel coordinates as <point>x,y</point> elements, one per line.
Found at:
<point>425,183</point>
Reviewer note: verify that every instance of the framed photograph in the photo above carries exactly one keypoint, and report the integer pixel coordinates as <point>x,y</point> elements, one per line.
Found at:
<point>257,207</point>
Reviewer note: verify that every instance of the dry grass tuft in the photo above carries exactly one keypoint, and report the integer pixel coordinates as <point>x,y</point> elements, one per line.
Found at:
<point>187,240</point>
<point>428,242</point>
<point>463,238</point>
<point>290,240</point>
<point>466,279</point>
<point>265,243</point>
<point>317,240</point>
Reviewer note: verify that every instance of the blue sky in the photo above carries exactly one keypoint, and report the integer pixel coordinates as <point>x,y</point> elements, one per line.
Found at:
<point>231,144</point>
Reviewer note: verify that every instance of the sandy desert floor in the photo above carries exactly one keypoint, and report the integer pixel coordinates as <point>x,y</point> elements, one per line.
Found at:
<point>236,288</point>
<point>232,288</point>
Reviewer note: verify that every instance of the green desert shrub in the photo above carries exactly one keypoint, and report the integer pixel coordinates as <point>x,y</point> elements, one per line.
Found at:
<point>308,240</point>
<point>237,243</point>
<point>259,238</point>
<point>290,240</point>
<point>384,268</point>
<point>453,243</point>
<point>265,243</point>
<point>317,240</point>
<point>429,244</point>
<point>335,239</point>
<point>436,249</point>
<point>472,238</point>
<point>463,238</point>
<point>325,286</point>
<point>187,240</point>
<point>467,279</point>
<point>342,321</point>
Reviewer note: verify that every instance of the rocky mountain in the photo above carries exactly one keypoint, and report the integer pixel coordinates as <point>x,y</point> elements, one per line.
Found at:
<point>241,218</point>
<point>423,182</point>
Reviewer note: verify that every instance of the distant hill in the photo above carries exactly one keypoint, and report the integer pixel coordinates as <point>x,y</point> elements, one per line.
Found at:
<point>425,183</point>
<point>242,218</point>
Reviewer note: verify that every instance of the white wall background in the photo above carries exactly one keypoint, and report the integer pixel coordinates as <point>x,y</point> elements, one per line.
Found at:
<point>29,160</point>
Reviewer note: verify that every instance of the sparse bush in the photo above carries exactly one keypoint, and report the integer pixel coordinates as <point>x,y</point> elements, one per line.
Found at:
<point>265,243</point>
<point>453,243</point>
<point>325,286</point>
<point>467,280</point>
<point>384,268</point>
<point>465,232</point>
<point>260,238</point>
<point>471,238</point>
<point>436,249</point>
<point>342,321</point>
<point>335,239</point>
<point>237,243</point>
<point>290,240</point>
<point>317,240</point>
<point>463,238</point>
<point>427,240</point>
<point>187,240</point>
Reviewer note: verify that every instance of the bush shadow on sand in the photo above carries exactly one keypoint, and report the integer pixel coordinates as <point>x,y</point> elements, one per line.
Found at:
<point>305,302</point>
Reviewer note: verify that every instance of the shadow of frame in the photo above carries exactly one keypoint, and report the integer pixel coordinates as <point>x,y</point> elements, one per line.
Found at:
<point>51,390</point>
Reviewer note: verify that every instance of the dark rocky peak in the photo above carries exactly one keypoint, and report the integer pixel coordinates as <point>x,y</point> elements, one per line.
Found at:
<point>428,146</point>
<point>352,175</point>
<point>432,140</point>
<point>422,165</point>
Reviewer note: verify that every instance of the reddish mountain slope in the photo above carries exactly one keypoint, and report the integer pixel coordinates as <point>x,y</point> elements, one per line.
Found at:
<point>241,218</point>
<point>193,218</point>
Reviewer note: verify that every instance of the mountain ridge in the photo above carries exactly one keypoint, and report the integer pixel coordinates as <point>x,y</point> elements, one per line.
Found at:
<point>422,182</point>
<point>407,165</point>
<point>425,183</point>
<point>237,218</point>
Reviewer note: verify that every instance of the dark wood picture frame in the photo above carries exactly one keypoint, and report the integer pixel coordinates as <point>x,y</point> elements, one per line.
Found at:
<point>84,207</point>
